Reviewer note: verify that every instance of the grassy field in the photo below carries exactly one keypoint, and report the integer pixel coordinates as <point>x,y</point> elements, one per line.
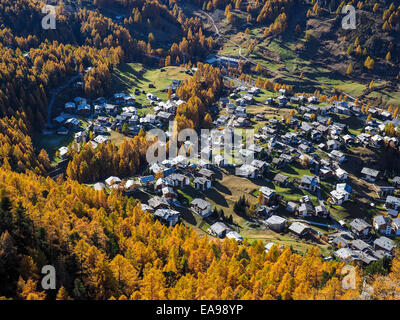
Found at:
<point>131,76</point>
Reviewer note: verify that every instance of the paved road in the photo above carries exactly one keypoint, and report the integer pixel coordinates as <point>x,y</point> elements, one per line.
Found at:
<point>54,93</point>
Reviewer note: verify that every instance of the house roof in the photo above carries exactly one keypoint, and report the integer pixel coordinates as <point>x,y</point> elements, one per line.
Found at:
<point>201,203</point>
<point>359,224</point>
<point>280,178</point>
<point>370,172</point>
<point>393,200</point>
<point>298,227</point>
<point>385,243</point>
<point>274,219</point>
<point>166,214</point>
<point>157,201</point>
<point>268,192</point>
<point>360,245</point>
<point>380,220</point>
<point>218,228</point>
<point>307,179</point>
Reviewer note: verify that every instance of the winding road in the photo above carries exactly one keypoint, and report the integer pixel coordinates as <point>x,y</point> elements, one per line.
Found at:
<point>218,33</point>
<point>54,93</point>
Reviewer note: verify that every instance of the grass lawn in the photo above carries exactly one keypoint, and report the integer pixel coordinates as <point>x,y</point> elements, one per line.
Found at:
<point>131,76</point>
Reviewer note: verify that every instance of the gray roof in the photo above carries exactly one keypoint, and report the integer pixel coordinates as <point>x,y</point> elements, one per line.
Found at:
<point>360,245</point>
<point>393,200</point>
<point>307,179</point>
<point>274,219</point>
<point>359,224</point>
<point>280,178</point>
<point>218,228</point>
<point>166,214</point>
<point>380,220</point>
<point>298,227</point>
<point>201,203</point>
<point>267,191</point>
<point>370,172</point>
<point>385,243</point>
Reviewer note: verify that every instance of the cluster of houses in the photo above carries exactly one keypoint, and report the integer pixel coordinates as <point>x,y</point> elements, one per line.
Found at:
<point>358,246</point>
<point>311,130</point>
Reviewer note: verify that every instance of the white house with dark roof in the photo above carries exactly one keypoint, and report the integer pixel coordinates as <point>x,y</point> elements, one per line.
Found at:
<point>370,174</point>
<point>202,207</point>
<point>382,224</point>
<point>360,227</point>
<point>392,205</point>
<point>384,244</point>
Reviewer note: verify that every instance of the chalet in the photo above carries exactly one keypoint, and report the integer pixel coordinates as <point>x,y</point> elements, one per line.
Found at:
<point>264,211</point>
<point>119,97</point>
<point>101,139</point>
<point>98,109</point>
<point>179,180</point>
<point>81,137</point>
<point>234,235</point>
<point>281,180</point>
<point>131,185</point>
<point>340,194</point>
<point>130,99</point>
<point>396,182</point>
<point>99,186</point>
<point>247,171</point>
<point>158,203</point>
<point>305,127</point>
<point>162,183</point>
<point>169,194</point>
<point>261,166</point>
<point>63,151</point>
<point>72,123</point>
<point>202,183</point>
<point>337,155</point>
<point>306,209</point>
<point>267,196</point>
<point>341,174</point>
<point>206,173</point>
<point>201,207</point>
<point>309,183</point>
<point>276,223</point>
<point>291,207</point>
<point>341,242</point>
<point>167,216</point>
<point>299,229</point>
<point>218,229</point>
<point>396,226</point>
<point>392,205</point>
<point>360,245</point>
<point>332,145</point>
<point>112,180</point>
<point>304,148</point>
<point>382,224</point>
<point>360,227</point>
<point>348,139</point>
<point>111,109</point>
<point>321,211</point>
<point>384,244</point>
<point>370,174</point>
<point>220,161</point>
<point>163,116</point>
<point>282,101</point>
